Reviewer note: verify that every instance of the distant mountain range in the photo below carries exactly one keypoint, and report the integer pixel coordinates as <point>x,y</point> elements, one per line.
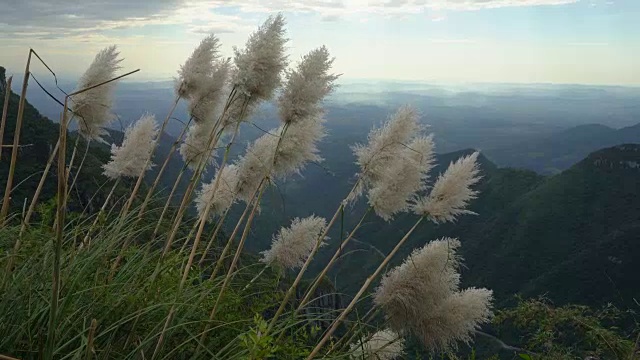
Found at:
<point>544,128</point>
<point>557,152</point>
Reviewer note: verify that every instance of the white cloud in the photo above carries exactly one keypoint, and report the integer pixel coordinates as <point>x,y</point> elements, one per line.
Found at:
<point>588,44</point>
<point>382,7</point>
<point>453,41</point>
<point>60,18</point>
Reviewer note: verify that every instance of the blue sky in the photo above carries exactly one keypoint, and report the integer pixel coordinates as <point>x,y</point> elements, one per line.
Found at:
<point>514,41</point>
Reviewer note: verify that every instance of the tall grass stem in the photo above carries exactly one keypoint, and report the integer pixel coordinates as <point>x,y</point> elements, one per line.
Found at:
<point>5,111</point>
<point>363,288</point>
<point>16,142</point>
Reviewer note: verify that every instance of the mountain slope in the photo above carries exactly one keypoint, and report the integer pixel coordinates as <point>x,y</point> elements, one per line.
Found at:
<point>38,138</point>
<point>574,237</point>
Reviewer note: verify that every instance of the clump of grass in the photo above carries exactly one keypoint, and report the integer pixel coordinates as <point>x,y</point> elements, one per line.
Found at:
<point>117,283</point>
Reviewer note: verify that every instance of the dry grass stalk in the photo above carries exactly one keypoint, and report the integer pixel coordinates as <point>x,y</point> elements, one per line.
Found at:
<point>60,217</point>
<point>16,142</point>
<point>327,267</point>
<point>36,194</point>
<point>30,210</point>
<point>92,332</point>
<point>102,209</point>
<point>363,288</point>
<point>61,213</point>
<point>293,286</point>
<point>245,233</point>
<point>155,183</point>
<point>5,111</point>
<point>168,203</point>
<point>5,357</point>
<point>214,136</point>
<point>84,157</point>
<point>213,238</point>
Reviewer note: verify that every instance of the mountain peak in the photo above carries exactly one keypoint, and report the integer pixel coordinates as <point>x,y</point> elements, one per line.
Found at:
<point>445,159</point>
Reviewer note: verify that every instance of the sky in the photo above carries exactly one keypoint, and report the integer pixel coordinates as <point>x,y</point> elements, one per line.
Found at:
<point>439,41</point>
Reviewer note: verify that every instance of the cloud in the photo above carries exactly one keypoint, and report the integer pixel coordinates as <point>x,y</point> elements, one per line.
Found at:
<point>595,3</point>
<point>382,7</point>
<point>62,18</point>
<point>453,41</point>
<point>588,44</point>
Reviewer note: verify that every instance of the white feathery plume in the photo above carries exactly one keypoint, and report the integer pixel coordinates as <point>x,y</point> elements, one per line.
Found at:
<point>260,64</point>
<point>254,165</point>
<point>297,146</point>
<point>258,69</point>
<point>402,178</point>
<point>204,102</point>
<point>223,197</point>
<point>384,146</point>
<point>455,319</point>
<point>421,296</point>
<point>304,126</point>
<point>291,247</point>
<point>240,108</point>
<point>93,107</point>
<point>306,86</point>
<point>202,107</point>
<point>452,191</point>
<point>383,345</point>
<point>426,277</point>
<point>196,71</point>
<point>196,143</point>
<point>130,159</point>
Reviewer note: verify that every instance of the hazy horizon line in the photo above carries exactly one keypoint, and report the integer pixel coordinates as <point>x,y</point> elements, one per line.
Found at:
<point>346,80</point>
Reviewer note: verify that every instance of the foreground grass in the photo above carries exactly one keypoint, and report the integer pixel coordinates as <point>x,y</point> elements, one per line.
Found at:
<point>123,318</point>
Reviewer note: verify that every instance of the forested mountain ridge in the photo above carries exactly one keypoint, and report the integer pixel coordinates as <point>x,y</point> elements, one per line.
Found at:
<point>574,237</point>
<point>544,128</point>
